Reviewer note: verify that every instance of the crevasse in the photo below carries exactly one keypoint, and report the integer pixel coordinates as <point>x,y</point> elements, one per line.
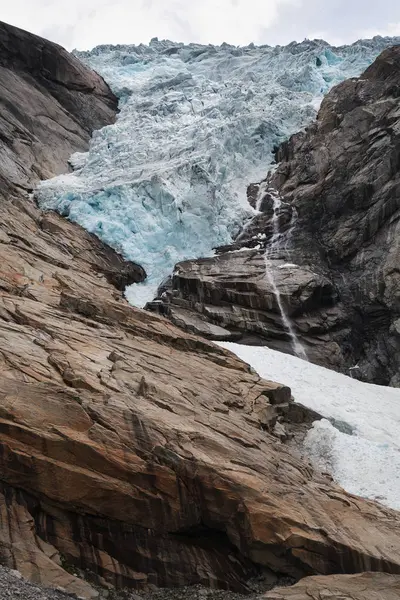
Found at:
<point>197,124</point>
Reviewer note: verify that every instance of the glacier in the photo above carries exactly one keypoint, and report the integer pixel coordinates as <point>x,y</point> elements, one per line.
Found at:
<point>358,440</point>
<point>197,124</point>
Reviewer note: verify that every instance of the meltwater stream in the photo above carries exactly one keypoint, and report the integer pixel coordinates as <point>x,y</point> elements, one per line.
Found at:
<point>277,244</point>
<point>197,124</point>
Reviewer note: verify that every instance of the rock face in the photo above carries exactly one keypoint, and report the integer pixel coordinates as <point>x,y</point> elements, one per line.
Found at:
<point>47,97</point>
<point>368,586</point>
<point>143,454</point>
<point>337,268</point>
<point>229,297</point>
<point>130,450</point>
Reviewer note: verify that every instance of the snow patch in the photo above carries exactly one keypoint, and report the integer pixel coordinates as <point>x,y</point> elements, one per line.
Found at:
<point>366,460</point>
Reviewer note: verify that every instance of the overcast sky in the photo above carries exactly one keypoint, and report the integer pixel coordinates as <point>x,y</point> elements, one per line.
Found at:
<point>83,24</point>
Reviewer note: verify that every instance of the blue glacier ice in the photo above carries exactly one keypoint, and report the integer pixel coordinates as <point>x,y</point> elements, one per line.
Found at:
<point>197,124</point>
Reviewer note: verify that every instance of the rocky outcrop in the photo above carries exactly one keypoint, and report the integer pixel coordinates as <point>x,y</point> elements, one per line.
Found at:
<point>49,105</point>
<point>134,453</point>
<point>337,268</point>
<point>229,297</point>
<point>368,586</point>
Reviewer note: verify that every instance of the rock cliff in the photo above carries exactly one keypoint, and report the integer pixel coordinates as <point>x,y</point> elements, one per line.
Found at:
<point>337,271</point>
<point>132,452</point>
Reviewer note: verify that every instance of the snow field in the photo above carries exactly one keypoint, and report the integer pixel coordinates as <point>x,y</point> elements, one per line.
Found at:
<point>365,462</point>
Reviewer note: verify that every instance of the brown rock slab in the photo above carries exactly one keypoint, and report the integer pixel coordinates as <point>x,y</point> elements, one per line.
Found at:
<point>365,586</point>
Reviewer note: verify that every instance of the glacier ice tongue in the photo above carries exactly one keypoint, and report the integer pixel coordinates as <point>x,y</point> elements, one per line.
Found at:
<point>197,124</point>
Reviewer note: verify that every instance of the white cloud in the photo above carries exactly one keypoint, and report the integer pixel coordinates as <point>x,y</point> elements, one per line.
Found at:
<point>237,21</point>
<point>86,23</point>
<point>392,30</point>
<point>327,36</point>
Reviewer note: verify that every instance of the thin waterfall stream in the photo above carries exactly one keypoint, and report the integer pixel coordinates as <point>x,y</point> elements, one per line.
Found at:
<point>272,248</point>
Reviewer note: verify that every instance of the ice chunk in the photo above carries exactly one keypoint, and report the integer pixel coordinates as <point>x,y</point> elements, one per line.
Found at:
<point>78,160</point>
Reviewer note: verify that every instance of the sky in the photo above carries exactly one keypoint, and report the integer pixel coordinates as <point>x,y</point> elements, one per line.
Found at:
<point>83,24</point>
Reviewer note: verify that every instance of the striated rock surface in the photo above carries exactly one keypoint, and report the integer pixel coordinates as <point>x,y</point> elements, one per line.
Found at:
<point>368,586</point>
<point>144,455</point>
<point>130,451</point>
<point>337,269</point>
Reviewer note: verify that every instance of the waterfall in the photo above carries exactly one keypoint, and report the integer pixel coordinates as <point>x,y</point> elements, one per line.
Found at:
<point>275,245</point>
<point>262,188</point>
